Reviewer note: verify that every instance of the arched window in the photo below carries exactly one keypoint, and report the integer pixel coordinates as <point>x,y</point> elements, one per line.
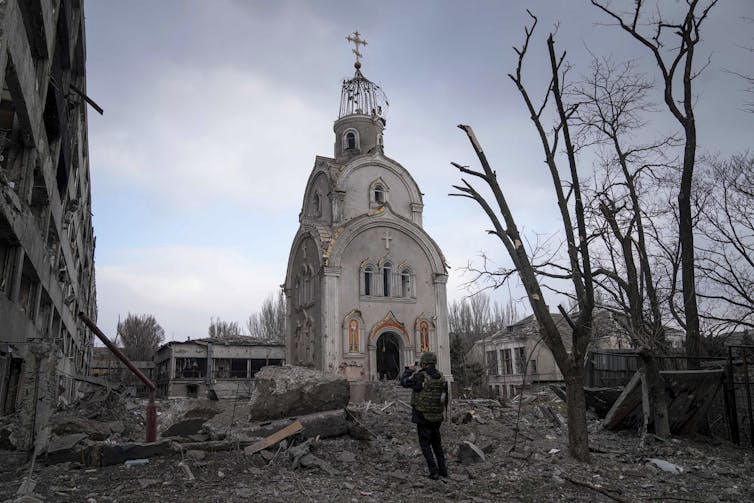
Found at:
<point>387,271</point>
<point>351,140</point>
<point>368,275</point>
<point>379,193</point>
<point>406,283</point>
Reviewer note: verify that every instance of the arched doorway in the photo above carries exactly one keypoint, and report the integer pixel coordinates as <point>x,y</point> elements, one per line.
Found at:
<point>388,356</point>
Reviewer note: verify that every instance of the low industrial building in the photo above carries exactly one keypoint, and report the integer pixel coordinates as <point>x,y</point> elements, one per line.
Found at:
<point>224,367</point>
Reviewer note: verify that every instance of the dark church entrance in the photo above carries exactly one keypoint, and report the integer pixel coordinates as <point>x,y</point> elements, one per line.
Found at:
<point>388,356</point>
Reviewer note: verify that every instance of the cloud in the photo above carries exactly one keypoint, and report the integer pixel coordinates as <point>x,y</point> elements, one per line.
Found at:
<point>213,135</point>
<point>183,286</point>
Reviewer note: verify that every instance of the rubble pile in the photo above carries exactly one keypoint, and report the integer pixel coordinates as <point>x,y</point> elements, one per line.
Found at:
<point>515,451</point>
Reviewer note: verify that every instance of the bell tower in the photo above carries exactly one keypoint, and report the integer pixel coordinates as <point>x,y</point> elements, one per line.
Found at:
<point>363,108</point>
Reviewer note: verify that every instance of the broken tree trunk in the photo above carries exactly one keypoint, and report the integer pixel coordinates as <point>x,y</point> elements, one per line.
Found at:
<point>645,407</point>
<point>657,395</point>
<point>578,441</point>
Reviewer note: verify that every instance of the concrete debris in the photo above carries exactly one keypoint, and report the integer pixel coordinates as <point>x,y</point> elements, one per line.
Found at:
<point>666,466</point>
<point>468,453</point>
<point>136,462</point>
<point>196,455</point>
<point>186,471</point>
<point>291,391</point>
<point>185,428</point>
<point>345,457</point>
<point>517,455</point>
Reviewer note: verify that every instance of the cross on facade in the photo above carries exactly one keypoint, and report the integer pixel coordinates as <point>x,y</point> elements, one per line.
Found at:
<point>357,41</point>
<point>387,239</point>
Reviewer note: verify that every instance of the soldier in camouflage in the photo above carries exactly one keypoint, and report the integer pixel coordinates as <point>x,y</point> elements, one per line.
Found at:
<point>428,400</point>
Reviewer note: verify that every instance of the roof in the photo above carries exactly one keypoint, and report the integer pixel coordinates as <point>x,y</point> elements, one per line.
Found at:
<point>240,340</point>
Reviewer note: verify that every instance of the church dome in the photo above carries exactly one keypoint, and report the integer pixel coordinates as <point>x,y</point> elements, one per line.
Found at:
<point>362,114</point>
<point>361,96</point>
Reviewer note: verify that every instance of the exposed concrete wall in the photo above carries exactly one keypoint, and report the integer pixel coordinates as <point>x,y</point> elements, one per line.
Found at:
<point>46,234</point>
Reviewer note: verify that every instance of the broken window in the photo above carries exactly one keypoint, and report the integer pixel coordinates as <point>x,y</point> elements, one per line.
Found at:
<point>190,368</point>
<point>7,255</point>
<point>507,362</point>
<point>27,297</point>
<point>368,275</point>
<point>351,140</point>
<point>520,360</point>
<point>387,272</point>
<point>221,368</point>
<point>492,363</point>
<point>258,363</point>
<point>379,194</point>
<point>406,283</point>
<point>238,368</point>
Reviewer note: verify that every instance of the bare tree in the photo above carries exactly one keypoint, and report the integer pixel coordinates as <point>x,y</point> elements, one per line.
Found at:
<point>577,266</point>
<point>677,70</point>
<point>612,101</point>
<point>726,250</point>
<point>269,323</point>
<point>140,335</point>
<point>219,329</point>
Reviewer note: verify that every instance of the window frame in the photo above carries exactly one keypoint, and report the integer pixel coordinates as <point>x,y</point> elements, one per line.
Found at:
<point>347,146</point>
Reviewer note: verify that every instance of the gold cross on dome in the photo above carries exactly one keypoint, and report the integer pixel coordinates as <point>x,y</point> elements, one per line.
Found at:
<point>357,41</point>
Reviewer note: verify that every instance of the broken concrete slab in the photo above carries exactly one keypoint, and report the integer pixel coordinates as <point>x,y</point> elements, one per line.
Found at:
<point>324,424</point>
<point>66,448</point>
<point>185,428</point>
<point>666,466</point>
<point>196,455</point>
<point>102,454</point>
<point>64,424</point>
<point>290,391</point>
<point>312,461</point>
<point>469,453</point>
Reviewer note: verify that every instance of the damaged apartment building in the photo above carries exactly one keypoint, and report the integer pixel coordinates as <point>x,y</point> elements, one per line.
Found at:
<point>46,234</point>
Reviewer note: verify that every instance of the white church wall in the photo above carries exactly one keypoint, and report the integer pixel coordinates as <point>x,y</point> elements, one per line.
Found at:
<point>356,185</point>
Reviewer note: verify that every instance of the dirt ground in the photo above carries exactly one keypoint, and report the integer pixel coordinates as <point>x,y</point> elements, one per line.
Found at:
<point>532,466</point>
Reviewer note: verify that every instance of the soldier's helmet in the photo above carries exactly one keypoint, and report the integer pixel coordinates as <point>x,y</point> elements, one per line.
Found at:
<point>428,358</point>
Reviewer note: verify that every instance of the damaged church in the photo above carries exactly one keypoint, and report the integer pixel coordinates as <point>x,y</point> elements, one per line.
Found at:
<point>365,284</point>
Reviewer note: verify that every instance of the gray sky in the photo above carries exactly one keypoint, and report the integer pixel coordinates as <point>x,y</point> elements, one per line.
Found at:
<point>214,112</point>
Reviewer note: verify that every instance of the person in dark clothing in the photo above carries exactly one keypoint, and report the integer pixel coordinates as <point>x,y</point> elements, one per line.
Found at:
<point>428,401</point>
